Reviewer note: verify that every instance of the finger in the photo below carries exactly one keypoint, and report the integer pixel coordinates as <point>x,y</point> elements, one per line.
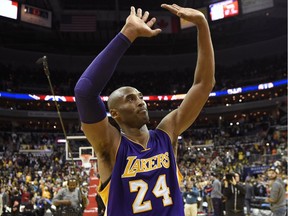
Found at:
<point>170,8</point>
<point>176,6</point>
<point>139,12</point>
<point>179,14</point>
<point>132,10</point>
<point>156,31</point>
<point>151,22</point>
<point>145,16</point>
<point>178,9</point>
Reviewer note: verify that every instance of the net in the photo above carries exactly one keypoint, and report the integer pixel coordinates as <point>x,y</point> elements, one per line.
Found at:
<point>85,158</point>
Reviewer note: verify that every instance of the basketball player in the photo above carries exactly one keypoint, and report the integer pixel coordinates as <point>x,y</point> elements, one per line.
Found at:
<point>137,166</point>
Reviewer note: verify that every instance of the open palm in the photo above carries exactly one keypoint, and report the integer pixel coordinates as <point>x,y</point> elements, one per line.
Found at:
<point>141,24</point>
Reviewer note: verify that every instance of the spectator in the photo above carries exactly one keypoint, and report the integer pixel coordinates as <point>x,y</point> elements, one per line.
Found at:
<point>249,195</point>
<point>15,202</point>
<point>25,196</point>
<point>277,193</point>
<point>46,194</point>
<point>29,208</point>
<point>69,198</point>
<point>191,195</point>
<point>234,193</point>
<point>5,198</point>
<point>260,187</point>
<point>1,202</point>
<point>207,196</point>
<point>216,195</point>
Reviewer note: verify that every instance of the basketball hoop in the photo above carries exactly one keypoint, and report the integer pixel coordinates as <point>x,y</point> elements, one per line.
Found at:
<point>85,158</point>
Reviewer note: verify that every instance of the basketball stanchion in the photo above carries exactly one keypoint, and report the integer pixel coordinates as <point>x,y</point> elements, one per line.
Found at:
<point>44,62</point>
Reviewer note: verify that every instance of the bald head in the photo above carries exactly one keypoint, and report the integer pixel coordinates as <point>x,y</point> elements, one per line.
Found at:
<point>127,107</point>
<point>116,95</point>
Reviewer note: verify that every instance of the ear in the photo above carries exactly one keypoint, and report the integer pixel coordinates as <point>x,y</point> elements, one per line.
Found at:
<point>114,113</point>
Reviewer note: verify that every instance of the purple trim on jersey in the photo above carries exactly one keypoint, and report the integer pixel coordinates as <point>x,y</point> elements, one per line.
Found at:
<point>121,199</point>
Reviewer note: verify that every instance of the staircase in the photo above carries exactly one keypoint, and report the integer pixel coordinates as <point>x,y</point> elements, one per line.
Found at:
<point>91,209</point>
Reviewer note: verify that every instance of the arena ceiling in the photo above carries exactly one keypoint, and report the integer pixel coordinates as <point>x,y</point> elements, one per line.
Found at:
<point>257,26</point>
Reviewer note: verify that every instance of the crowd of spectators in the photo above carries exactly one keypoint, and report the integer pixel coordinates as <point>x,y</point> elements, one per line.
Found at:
<point>247,72</point>
<point>201,152</point>
<point>31,181</point>
<point>202,170</point>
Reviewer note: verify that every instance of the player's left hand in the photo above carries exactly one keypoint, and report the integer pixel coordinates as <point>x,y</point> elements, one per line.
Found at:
<point>188,14</point>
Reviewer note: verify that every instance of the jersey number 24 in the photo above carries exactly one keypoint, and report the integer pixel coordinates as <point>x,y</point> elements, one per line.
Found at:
<point>160,190</point>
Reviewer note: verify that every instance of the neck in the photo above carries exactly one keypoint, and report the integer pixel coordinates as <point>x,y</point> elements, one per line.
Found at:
<point>140,136</point>
<point>134,132</point>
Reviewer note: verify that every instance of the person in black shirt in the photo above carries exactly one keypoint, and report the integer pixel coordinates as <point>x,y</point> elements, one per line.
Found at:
<point>234,193</point>
<point>15,202</point>
<point>249,195</point>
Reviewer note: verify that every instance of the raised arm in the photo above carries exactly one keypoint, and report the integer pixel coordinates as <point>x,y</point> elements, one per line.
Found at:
<point>180,119</point>
<point>102,136</point>
<point>58,199</point>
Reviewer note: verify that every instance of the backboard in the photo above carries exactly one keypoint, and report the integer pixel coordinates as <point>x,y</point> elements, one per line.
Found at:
<point>79,145</point>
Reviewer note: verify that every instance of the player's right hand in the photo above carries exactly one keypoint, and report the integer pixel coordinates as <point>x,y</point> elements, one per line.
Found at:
<point>139,25</point>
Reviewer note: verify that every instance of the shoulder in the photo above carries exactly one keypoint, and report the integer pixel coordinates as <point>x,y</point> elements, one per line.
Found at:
<point>160,133</point>
<point>62,191</point>
<point>278,183</point>
<point>162,138</point>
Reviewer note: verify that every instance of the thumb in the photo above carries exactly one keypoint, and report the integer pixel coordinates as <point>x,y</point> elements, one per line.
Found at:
<point>156,31</point>
<point>179,14</point>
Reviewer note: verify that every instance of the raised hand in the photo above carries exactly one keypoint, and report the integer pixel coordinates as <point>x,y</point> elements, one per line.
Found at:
<point>188,14</point>
<point>233,181</point>
<point>139,25</point>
